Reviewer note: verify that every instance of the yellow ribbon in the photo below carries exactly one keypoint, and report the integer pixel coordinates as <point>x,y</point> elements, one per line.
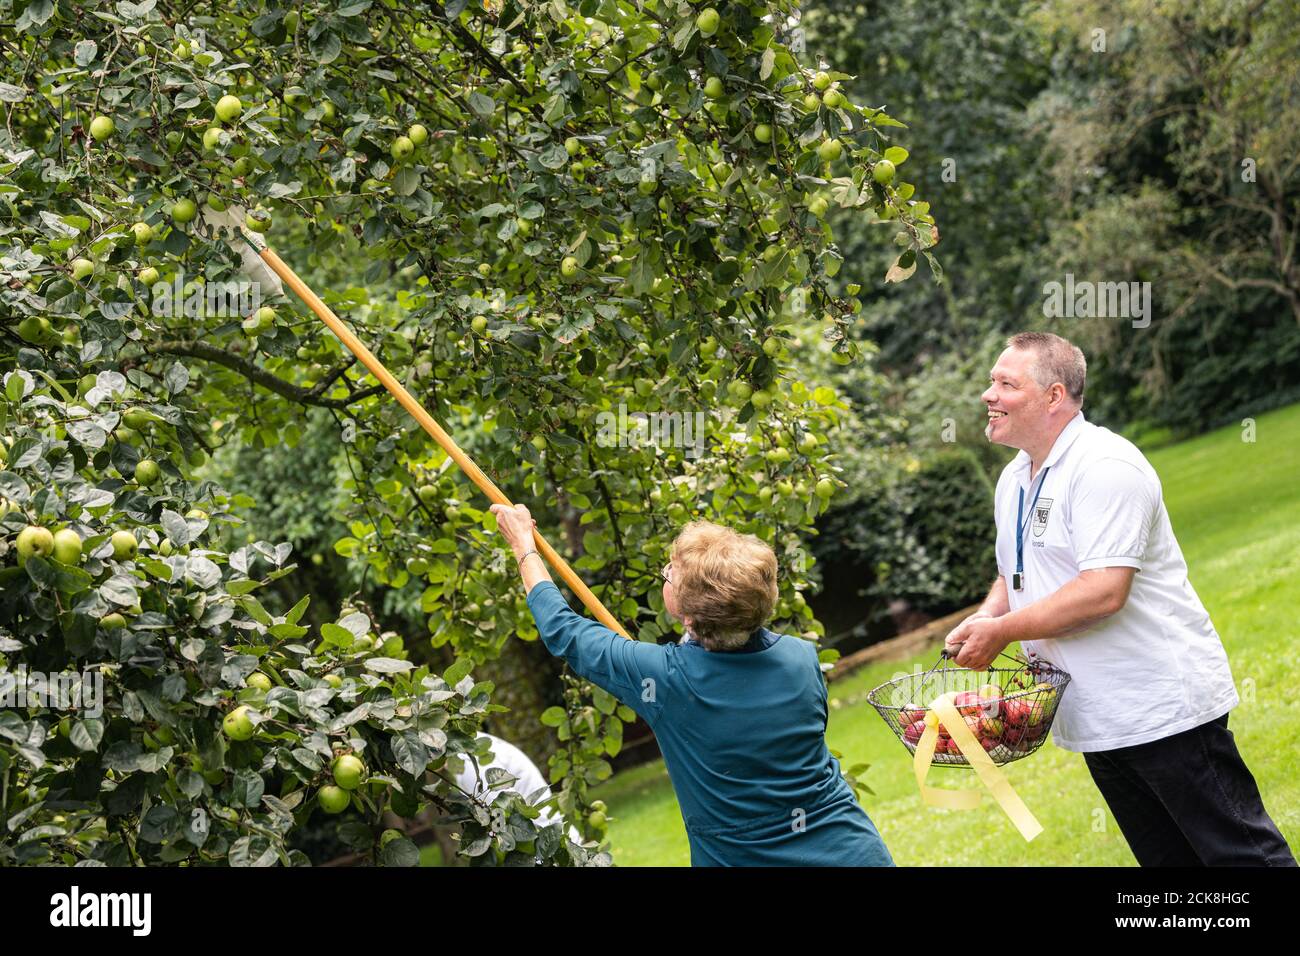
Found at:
<point>945,712</point>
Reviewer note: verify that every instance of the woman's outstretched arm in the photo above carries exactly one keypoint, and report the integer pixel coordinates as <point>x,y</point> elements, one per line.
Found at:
<point>632,671</point>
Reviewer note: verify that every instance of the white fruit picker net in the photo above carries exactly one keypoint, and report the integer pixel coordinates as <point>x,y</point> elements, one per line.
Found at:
<point>1007,709</point>
<point>229,221</point>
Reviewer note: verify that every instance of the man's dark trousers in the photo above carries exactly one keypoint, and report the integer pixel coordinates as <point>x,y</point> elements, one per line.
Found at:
<point>1189,800</point>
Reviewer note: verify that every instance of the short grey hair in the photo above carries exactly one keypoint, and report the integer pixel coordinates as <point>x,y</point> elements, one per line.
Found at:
<point>1055,360</point>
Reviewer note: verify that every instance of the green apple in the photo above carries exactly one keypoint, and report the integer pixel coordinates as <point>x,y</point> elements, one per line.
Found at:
<point>647,185</point>
<point>258,220</point>
<point>821,80</point>
<point>714,89</point>
<point>258,680</point>
<point>34,540</point>
<point>184,210</point>
<point>82,268</point>
<point>348,771</point>
<point>883,172</point>
<point>148,275</point>
<point>825,488</point>
<point>833,99</point>
<point>124,545</point>
<point>136,418</point>
<point>111,622</point>
<point>228,108</point>
<point>569,267</point>
<point>740,391</point>
<point>817,206</point>
<point>763,133</point>
<point>811,102</point>
<point>808,443</point>
<point>146,472</point>
<point>265,318</point>
<point>830,150</point>
<point>211,138</point>
<point>241,167</point>
<point>479,324</point>
<point>67,546</point>
<point>402,147</point>
<point>237,725</point>
<point>418,135</point>
<point>333,799</point>
<point>334,680</point>
<point>572,145</point>
<point>708,21</point>
<point>143,232</point>
<point>34,329</point>
<point>101,128</point>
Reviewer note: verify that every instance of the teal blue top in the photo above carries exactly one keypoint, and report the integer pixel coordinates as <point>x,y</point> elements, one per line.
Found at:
<point>743,735</point>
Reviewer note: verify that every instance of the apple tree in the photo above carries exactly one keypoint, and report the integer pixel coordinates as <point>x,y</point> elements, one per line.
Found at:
<point>584,235</point>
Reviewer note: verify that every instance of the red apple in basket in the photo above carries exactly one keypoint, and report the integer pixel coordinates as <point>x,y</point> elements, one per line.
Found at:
<point>991,728</point>
<point>910,714</point>
<point>1018,739</point>
<point>968,703</point>
<point>1015,712</point>
<point>913,731</point>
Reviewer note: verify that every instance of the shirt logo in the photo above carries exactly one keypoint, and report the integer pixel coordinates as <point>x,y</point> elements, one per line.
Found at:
<point>1041,510</point>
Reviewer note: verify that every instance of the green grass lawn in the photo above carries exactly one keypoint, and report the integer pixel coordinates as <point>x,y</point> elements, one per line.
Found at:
<point>1235,508</point>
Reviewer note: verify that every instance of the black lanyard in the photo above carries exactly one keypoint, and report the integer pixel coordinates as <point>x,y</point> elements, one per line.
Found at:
<point>1018,579</point>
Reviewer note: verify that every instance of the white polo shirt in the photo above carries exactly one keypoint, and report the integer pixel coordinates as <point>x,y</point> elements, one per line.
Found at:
<point>1157,666</point>
<point>528,779</point>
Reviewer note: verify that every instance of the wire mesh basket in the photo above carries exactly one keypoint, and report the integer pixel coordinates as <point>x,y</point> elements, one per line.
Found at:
<point>1008,709</point>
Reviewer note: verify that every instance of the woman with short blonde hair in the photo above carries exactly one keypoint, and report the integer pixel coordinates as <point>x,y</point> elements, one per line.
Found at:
<point>725,582</point>
<point>739,711</point>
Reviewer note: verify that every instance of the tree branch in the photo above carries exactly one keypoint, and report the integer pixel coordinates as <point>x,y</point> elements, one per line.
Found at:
<point>260,376</point>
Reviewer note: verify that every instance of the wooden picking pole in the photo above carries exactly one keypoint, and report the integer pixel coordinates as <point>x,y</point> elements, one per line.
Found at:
<point>290,278</point>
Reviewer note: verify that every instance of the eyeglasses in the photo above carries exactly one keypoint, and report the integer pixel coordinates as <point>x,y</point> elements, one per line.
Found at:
<point>665,572</point>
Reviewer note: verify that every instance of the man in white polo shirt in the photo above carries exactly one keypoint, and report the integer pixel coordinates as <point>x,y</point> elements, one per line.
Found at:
<point>1091,579</point>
